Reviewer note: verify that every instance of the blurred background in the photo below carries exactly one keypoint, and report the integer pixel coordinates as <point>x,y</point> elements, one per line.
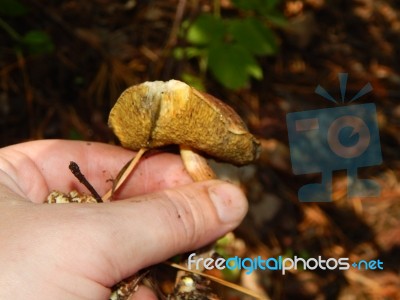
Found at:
<point>63,65</point>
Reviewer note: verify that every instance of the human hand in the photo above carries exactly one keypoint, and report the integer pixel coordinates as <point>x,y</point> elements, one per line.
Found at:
<point>79,251</point>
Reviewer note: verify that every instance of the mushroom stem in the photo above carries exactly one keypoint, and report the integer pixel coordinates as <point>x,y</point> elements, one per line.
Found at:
<point>123,174</point>
<point>196,165</point>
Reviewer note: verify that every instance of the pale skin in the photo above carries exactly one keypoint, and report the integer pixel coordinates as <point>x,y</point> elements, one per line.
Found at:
<point>79,251</point>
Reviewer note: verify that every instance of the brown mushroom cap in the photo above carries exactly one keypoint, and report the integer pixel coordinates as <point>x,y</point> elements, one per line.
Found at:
<point>155,114</point>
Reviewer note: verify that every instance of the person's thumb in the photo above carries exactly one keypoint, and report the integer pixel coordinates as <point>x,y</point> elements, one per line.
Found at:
<point>149,229</point>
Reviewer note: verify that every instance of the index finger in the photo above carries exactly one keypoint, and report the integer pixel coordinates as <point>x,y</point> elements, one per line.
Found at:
<point>39,167</point>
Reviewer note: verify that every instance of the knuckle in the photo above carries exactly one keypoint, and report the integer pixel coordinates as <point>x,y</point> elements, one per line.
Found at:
<point>184,208</point>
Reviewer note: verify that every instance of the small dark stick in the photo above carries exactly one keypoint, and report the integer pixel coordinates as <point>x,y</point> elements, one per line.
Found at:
<point>73,166</point>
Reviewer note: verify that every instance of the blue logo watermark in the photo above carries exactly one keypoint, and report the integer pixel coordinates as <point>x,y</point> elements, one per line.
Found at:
<point>330,139</point>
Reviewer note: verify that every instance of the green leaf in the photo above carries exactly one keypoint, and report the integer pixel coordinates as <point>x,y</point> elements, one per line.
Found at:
<point>205,30</point>
<point>232,65</point>
<point>231,274</point>
<point>178,53</point>
<point>193,81</point>
<point>191,52</point>
<point>254,36</point>
<point>254,70</point>
<point>12,8</point>
<point>188,52</point>
<point>270,4</point>
<point>277,18</point>
<point>37,42</point>
<point>75,135</point>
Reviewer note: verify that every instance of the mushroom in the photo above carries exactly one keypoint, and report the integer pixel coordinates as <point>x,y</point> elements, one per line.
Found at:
<point>156,114</point>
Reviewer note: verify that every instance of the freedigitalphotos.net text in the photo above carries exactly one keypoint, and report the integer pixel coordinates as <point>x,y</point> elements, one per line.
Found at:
<point>280,263</point>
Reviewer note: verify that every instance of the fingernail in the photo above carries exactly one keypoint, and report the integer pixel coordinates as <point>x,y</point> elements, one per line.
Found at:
<point>229,201</point>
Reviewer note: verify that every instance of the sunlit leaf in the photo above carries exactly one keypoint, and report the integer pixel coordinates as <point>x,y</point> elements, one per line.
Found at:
<point>254,36</point>
<point>254,70</point>
<point>277,18</point>
<point>179,53</point>
<point>205,30</point>
<point>227,47</point>
<point>232,65</point>
<point>193,81</point>
<point>188,52</point>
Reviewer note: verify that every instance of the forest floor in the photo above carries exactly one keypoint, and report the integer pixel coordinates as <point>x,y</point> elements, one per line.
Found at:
<point>101,47</point>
